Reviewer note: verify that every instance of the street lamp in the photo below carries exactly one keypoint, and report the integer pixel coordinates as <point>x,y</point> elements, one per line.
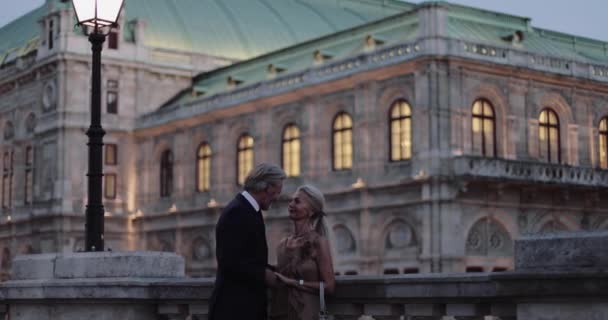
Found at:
<point>98,14</point>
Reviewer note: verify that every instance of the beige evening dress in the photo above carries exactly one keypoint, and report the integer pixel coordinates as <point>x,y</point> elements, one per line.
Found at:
<point>299,261</point>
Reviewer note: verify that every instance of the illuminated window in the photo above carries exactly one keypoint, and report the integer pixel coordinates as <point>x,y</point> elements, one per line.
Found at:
<point>483,129</point>
<point>29,174</point>
<point>401,131</point>
<point>549,136</point>
<point>203,167</point>
<point>112,97</point>
<point>604,143</point>
<point>111,156</point>
<point>166,173</point>
<point>342,133</point>
<point>7,179</point>
<point>110,185</point>
<point>244,157</point>
<point>291,150</point>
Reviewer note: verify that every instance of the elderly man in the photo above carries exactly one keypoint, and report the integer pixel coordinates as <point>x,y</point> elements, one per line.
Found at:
<point>241,249</point>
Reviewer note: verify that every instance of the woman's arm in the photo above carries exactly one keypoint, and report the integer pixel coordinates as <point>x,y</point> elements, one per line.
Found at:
<point>326,270</point>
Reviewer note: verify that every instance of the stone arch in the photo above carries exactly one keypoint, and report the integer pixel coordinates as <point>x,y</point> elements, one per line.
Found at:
<point>201,249</point>
<point>488,237</point>
<point>394,93</point>
<point>499,102</point>
<point>160,147</point>
<point>550,222</point>
<point>557,103</point>
<point>344,241</point>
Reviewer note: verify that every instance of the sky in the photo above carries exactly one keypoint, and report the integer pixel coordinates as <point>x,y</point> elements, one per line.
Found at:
<point>587,18</point>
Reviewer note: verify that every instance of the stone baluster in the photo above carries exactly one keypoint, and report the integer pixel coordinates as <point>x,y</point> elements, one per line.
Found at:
<point>426,311</point>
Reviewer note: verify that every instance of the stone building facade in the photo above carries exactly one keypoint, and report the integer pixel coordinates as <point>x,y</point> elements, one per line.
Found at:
<point>438,135</point>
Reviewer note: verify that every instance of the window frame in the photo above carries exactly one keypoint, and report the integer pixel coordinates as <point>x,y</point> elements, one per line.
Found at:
<point>603,133</point>
<point>29,175</point>
<point>341,131</point>
<point>288,142</point>
<point>483,118</point>
<point>548,126</point>
<point>107,177</point>
<point>201,160</point>
<point>7,179</point>
<point>166,173</point>
<point>398,119</point>
<point>112,90</point>
<point>241,173</point>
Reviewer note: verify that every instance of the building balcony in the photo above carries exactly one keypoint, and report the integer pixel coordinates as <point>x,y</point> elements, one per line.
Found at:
<point>528,172</point>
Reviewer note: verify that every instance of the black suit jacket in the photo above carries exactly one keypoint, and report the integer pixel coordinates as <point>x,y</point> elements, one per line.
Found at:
<point>242,255</point>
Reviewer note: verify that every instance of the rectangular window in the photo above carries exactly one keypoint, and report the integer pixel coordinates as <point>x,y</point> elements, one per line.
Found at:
<point>112,97</point>
<point>7,180</point>
<point>111,156</point>
<point>110,186</point>
<point>113,40</point>
<point>29,174</point>
<point>50,39</point>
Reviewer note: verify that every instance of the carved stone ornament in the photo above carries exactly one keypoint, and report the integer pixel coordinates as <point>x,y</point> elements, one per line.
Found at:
<point>49,96</point>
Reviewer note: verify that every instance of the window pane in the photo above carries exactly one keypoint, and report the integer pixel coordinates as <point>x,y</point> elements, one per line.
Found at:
<point>554,141</point>
<point>604,125</point>
<point>110,186</point>
<point>111,156</point>
<point>604,150</point>
<point>477,108</point>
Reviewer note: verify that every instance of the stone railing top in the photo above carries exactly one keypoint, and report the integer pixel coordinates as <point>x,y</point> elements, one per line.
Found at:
<point>563,251</point>
<point>98,265</point>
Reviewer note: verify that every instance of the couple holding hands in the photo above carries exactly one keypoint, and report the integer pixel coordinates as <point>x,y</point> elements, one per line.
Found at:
<point>304,260</point>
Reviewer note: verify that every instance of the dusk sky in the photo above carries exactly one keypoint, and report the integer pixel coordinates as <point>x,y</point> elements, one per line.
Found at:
<point>588,18</point>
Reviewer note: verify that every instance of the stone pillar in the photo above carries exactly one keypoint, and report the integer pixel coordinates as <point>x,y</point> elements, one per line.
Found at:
<point>89,285</point>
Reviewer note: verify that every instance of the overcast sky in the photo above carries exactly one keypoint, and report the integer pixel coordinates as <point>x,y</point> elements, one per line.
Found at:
<point>587,18</point>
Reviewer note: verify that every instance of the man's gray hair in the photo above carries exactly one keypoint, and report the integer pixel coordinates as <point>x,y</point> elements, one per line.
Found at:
<point>263,176</point>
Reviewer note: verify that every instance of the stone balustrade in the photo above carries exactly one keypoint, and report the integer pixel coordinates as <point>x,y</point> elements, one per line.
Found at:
<point>557,277</point>
<point>529,171</point>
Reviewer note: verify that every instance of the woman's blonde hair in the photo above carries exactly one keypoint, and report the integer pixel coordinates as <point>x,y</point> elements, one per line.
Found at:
<point>316,202</point>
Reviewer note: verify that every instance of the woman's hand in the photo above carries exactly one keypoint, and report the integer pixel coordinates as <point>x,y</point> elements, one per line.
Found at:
<point>285,280</point>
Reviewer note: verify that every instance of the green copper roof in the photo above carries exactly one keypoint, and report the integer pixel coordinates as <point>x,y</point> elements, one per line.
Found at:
<point>241,29</point>
<point>15,36</point>
<point>234,29</point>
<point>491,28</point>
<point>467,24</point>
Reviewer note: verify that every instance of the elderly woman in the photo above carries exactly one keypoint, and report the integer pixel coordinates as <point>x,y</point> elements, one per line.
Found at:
<point>304,259</point>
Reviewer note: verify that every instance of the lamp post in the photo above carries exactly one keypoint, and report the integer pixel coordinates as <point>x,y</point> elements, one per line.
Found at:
<point>100,15</point>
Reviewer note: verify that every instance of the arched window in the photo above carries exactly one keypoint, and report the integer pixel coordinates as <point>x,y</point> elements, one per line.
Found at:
<point>166,173</point>
<point>342,133</point>
<point>483,128</point>
<point>244,157</point>
<point>203,167</point>
<point>291,150</point>
<point>548,136</point>
<point>604,143</point>
<point>401,131</point>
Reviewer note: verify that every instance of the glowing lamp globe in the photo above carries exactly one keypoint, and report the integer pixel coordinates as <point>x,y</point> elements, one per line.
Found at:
<point>97,13</point>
